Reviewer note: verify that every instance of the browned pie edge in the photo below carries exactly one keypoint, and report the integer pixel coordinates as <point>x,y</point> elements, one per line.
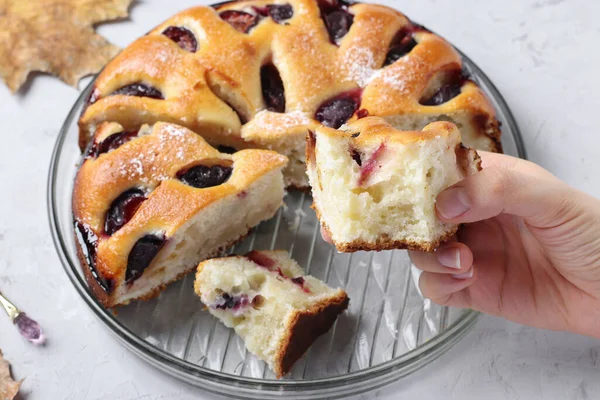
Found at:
<point>384,242</point>
<point>304,327</point>
<point>107,301</point>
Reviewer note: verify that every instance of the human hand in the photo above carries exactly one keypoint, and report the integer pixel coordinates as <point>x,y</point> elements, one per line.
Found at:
<point>529,250</point>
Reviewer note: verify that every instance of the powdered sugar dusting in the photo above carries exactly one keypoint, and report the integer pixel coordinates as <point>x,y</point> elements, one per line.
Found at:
<point>278,122</point>
<point>137,165</point>
<point>134,167</point>
<point>359,65</point>
<point>396,78</point>
<point>161,56</point>
<point>178,138</point>
<point>170,143</point>
<point>173,130</point>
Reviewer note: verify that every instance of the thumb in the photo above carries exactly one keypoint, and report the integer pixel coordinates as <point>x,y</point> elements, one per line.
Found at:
<point>539,198</point>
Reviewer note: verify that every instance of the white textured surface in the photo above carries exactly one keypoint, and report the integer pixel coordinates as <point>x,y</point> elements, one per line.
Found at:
<point>543,56</point>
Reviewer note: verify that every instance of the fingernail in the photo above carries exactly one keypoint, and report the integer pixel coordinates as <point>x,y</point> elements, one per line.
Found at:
<point>465,276</point>
<point>453,203</point>
<point>449,257</point>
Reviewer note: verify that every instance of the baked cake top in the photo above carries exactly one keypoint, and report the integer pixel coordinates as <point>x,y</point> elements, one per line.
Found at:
<point>254,73</point>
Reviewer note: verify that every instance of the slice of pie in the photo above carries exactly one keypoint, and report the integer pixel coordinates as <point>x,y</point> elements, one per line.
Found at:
<point>269,302</point>
<point>374,187</point>
<point>150,204</point>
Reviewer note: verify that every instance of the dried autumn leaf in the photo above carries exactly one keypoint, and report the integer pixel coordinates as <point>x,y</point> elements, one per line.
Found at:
<point>8,387</point>
<point>55,36</point>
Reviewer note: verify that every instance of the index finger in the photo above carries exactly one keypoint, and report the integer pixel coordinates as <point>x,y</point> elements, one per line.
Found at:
<point>504,161</point>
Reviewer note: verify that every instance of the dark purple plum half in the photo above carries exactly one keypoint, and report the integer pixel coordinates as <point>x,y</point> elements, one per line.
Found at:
<point>241,21</point>
<point>402,44</point>
<point>122,209</point>
<point>226,149</point>
<point>142,254</point>
<point>336,17</point>
<point>336,111</point>
<point>183,37</point>
<point>272,88</point>
<point>202,176</point>
<point>449,90</point>
<point>112,142</point>
<point>280,12</point>
<point>139,90</point>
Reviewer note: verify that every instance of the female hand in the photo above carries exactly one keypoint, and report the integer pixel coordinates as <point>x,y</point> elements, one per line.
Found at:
<point>529,250</point>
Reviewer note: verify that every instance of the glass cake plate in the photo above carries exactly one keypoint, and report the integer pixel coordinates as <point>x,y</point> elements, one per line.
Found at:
<point>389,331</point>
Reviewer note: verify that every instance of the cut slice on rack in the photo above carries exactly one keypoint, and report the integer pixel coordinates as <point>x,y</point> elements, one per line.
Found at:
<point>276,309</point>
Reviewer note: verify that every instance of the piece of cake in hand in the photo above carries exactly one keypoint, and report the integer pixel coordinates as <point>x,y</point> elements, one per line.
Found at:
<point>149,205</point>
<point>374,187</point>
<point>276,309</point>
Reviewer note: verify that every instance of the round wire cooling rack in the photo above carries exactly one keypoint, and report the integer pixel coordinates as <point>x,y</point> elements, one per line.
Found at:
<point>389,331</point>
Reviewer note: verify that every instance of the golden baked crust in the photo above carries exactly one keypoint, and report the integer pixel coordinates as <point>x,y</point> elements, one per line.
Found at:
<point>383,243</point>
<point>374,130</point>
<point>398,90</point>
<point>216,91</point>
<point>151,162</point>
